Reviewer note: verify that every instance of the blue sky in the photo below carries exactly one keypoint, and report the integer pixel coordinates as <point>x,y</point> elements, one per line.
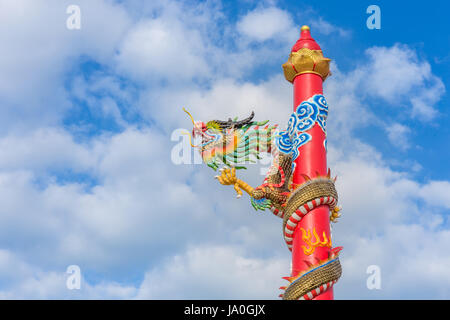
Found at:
<point>90,118</point>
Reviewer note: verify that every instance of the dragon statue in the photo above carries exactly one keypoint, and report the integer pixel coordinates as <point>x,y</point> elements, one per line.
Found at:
<point>226,145</point>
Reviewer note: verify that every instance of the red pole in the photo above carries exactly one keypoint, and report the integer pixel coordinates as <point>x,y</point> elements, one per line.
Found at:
<point>307,74</point>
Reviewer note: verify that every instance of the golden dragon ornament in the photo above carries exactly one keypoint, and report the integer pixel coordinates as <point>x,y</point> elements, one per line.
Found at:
<point>227,146</point>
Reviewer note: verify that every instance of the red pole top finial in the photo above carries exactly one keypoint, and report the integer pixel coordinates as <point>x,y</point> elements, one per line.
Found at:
<point>305,41</point>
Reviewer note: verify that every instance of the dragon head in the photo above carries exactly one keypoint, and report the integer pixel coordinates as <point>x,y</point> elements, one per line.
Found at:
<point>199,129</point>
<point>207,132</point>
<point>229,142</point>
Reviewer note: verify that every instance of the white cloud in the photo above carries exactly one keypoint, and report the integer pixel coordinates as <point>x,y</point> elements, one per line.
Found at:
<point>398,135</point>
<point>326,28</point>
<point>194,44</point>
<point>163,48</point>
<point>396,74</point>
<point>226,98</point>
<point>215,272</point>
<point>37,50</point>
<point>20,280</point>
<point>436,193</point>
<point>409,256</point>
<point>44,149</point>
<point>266,23</point>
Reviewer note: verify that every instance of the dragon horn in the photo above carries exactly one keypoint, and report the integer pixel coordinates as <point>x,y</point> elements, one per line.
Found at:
<point>192,119</point>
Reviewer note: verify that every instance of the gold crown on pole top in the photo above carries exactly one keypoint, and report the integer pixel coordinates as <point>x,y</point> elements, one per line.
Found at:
<point>306,57</point>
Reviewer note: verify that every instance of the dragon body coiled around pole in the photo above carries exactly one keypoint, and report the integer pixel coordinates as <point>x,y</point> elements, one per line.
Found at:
<point>228,146</point>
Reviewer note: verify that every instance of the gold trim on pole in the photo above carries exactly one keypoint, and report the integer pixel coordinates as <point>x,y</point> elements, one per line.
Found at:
<point>306,61</point>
